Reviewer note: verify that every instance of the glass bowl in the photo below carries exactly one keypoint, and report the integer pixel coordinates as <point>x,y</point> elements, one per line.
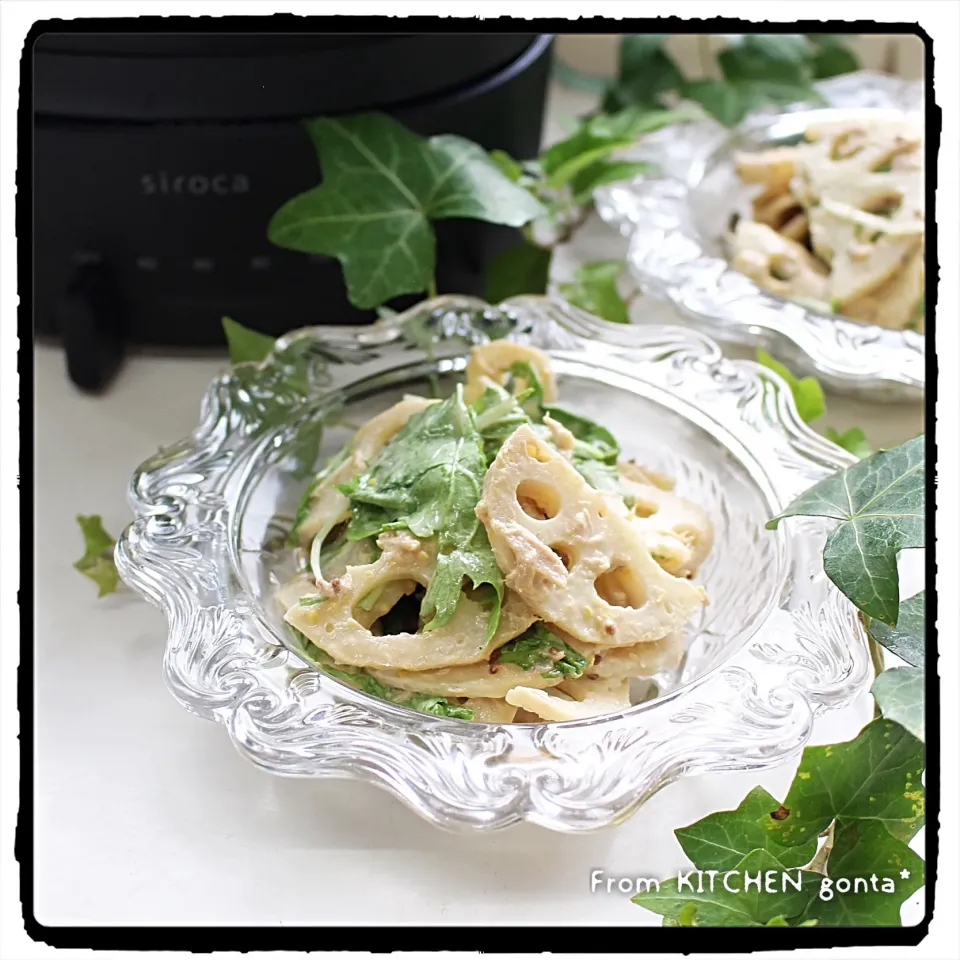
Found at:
<point>777,643</point>
<point>676,225</point>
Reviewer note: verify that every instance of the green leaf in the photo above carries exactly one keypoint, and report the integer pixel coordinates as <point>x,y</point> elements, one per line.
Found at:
<point>631,123</point>
<point>523,268</point>
<point>438,706</point>
<point>592,440</point>
<point>246,345</point>
<point>566,158</point>
<point>359,678</point>
<point>853,441</point>
<point>739,903</point>
<point>509,167</point>
<point>97,560</point>
<point>728,102</point>
<point>602,172</point>
<point>427,479</point>
<point>881,870</point>
<point>721,840</point>
<point>594,289</point>
<point>539,649</point>
<point>832,56</point>
<point>875,777</point>
<point>807,392</point>
<point>908,638</point>
<point>767,58</point>
<point>382,185</point>
<point>880,505</point>
<point>899,695</point>
<point>646,72</point>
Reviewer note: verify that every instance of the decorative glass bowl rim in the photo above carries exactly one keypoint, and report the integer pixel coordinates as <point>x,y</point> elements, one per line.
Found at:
<point>224,663</point>
<point>848,355</point>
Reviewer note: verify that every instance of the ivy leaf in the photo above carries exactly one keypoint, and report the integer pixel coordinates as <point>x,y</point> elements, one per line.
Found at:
<point>899,695</point>
<point>721,840</point>
<point>646,72</point>
<point>594,289</point>
<point>382,186</point>
<point>561,162</point>
<point>807,392</point>
<point>832,56</point>
<point>767,58</point>
<point>523,268</point>
<point>880,505</point>
<point>853,441</point>
<point>882,872</point>
<point>908,638</point>
<point>602,172</point>
<point>875,777</point>
<point>737,906</point>
<point>245,345</point>
<point>728,102</point>
<point>509,167</point>
<point>97,560</point>
<point>632,123</point>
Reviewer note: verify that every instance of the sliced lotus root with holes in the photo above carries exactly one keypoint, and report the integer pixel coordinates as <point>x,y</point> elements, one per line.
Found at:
<point>328,506</point>
<point>491,711</point>
<point>638,660</point>
<point>677,532</point>
<point>584,566</point>
<point>336,625</point>
<point>601,698</point>
<point>484,679</point>
<point>773,168</point>
<point>895,303</point>
<point>634,471</point>
<point>492,361</point>
<point>776,263</point>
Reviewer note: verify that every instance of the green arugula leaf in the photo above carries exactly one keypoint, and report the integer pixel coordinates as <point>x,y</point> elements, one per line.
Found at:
<point>875,777</point>
<point>382,185</point>
<point>899,695</point>
<point>807,392</point>
<point>853,441</point>
<point>646,72</point>
<point>497,413</point>
<point>593,441</point>
<point>721,840</point>
<point>594,289</point>
<point>427,479</point>
<point>520,269</point>
<point>538,648</point>
<point>908,638</point>
<point>362,680</point>
<point>882,872</point>
<point>880,503</point>
<point>602,172</point>
<point>437,706</point>
<point>728,900</point>
<point>832,56</point>
<point>246,345</point>
<point>97,560</point>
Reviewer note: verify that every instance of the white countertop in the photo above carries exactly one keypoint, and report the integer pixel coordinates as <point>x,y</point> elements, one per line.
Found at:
<point>146,815</point>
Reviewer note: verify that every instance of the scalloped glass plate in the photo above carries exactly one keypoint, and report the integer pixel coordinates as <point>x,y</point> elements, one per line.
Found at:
<point>676,224</point>
<point>777,643</point>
